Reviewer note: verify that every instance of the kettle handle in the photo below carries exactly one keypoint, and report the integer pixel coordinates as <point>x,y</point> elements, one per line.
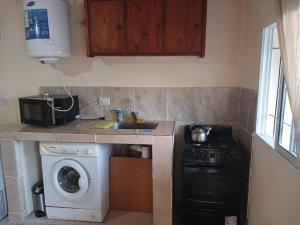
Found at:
<point>194,124</point>
<point>208,130</point>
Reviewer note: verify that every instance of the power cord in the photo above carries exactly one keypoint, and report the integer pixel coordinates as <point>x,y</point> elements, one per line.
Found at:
<point>66,90</point>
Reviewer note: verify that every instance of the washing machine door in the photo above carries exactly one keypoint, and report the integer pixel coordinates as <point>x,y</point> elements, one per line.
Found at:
<point>70,179</point>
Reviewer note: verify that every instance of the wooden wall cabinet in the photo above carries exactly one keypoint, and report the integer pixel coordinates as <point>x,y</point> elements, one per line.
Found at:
<point>106,27</point>
<point>146,27</point>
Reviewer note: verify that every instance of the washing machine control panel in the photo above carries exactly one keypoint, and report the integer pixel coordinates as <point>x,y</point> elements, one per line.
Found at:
<point>75,149</point>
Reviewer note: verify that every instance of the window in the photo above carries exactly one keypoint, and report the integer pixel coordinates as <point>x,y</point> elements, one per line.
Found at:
<point>274,116</point>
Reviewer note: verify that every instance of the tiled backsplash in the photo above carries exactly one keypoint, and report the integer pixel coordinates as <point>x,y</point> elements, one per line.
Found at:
<point>207,105</point>
<point>202,104</point>
<point>247,116</point>
<point>230,105</point>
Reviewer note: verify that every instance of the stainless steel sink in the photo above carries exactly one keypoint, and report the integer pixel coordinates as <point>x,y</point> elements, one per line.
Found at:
<point>133,126</point>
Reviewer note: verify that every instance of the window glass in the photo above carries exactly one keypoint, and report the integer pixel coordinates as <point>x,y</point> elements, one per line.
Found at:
<point>286,125</point>
<point>272,93</point>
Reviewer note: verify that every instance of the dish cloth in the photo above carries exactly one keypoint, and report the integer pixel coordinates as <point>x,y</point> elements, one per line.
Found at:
<point>104,124</point>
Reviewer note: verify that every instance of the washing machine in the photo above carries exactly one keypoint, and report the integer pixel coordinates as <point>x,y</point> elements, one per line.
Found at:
<point>76,180</point>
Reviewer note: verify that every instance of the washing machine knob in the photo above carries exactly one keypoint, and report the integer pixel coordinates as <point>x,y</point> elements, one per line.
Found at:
<point>89,151</point>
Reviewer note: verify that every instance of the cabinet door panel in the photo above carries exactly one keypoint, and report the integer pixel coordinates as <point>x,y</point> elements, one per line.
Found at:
<point>131,184</point>
<point>107,26</point>
<point>144,26</point>
<point>185,26</point>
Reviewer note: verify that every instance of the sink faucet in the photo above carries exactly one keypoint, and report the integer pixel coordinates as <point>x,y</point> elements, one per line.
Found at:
<point>134,116</point>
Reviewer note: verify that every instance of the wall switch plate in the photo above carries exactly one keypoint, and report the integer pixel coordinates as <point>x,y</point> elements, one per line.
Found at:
<point>104,101</point>
<point>4,100</point>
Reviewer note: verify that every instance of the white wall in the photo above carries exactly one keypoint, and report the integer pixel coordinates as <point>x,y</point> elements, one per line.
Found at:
<point>21,75</point>
<point>275,188</point>
<point>259,14</point>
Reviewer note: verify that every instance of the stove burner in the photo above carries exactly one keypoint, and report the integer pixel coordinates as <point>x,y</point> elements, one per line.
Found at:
<point>220,148</point>
<point>207,144</point>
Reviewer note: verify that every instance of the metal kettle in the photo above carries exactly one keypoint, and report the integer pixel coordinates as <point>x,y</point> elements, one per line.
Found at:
<point>199,132</point>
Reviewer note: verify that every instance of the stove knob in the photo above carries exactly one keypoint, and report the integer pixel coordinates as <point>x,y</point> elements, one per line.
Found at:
<point>203,156</point>
<point>195,156</point>
<point>222,155</point>
<point>200,156</point>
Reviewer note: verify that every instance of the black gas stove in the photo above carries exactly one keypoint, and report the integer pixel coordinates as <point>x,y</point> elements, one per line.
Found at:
<point>214,178</point>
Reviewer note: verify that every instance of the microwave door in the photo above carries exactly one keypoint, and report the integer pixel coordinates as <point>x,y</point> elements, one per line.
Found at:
<point>35,112</point>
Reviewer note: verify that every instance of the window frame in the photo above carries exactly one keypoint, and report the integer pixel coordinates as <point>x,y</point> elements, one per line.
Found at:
<point>265,68</point>
<point>263,96</point>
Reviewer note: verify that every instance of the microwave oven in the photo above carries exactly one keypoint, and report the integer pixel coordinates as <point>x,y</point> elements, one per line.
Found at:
<point>48,110</point>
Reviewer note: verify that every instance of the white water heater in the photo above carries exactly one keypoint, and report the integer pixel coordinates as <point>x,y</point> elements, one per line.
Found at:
<point>47,30</point>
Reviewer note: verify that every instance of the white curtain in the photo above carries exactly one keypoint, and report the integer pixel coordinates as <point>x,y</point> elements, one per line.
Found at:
<point>288,18</point>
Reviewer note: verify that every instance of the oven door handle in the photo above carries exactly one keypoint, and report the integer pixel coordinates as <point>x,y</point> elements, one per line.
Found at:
<point>207,202</point>
<point>212,170</point>
<point>206,170</point>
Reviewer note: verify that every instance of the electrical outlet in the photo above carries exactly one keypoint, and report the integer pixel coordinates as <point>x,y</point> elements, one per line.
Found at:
<point>4,100</point>
<point>104,101</point>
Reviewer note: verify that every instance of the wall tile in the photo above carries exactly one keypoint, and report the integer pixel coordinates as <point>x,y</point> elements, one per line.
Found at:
<point>162,220</point>
<point>88,101</point>
<point>77,138</point>
<point>183,104</point>
<point>120,98</point>
<point>151,103</point>
<point>219,104</point>
<point>243,112</point>
<point>204,104</point>
<point>252,108</point>
<point>15,194</point>
<point>145,140</point>
<point>162,154</point>
<point>247,117</point>
<point>248,107</point>
<point>117,139</point>
<point>10,157</point>
<point>28,135</point>
<point>162,197</point>
<point>245,139</point>
<point>52,90</point>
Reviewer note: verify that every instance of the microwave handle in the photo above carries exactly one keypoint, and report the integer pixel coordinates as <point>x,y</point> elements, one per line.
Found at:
<point>52,110</point>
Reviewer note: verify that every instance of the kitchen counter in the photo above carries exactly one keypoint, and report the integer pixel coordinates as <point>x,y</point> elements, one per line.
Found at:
<point>21,160</point>
<point>80,131</point>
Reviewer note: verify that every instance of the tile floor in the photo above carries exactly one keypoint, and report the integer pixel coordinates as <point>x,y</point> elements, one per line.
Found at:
<point>114,218</point>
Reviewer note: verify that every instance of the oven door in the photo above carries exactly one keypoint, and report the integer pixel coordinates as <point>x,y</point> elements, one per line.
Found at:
<point>35,112</point>
<point>212,188</point>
